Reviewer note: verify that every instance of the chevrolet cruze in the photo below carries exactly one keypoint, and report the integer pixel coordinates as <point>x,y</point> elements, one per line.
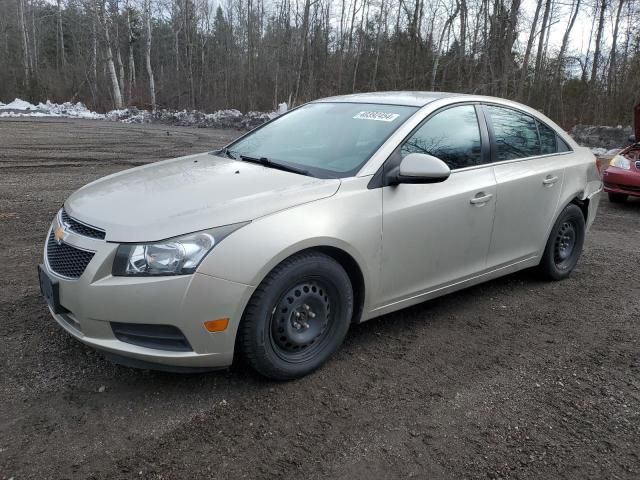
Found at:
<point>337,212</point>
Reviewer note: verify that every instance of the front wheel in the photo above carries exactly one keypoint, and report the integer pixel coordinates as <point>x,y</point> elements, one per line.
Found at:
<point>564,245</point>
<point>297,317</point>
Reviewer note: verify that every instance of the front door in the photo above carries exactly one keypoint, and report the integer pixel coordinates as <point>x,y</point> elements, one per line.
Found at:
<point>439,233</point>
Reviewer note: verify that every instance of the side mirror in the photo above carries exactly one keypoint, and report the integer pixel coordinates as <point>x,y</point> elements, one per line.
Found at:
<point>419,168</point>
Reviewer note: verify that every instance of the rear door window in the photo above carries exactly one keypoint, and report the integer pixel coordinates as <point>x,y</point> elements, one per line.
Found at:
<point>515,133</point>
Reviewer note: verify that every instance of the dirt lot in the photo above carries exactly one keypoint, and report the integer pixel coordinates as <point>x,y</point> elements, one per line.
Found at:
<point>515,378</point>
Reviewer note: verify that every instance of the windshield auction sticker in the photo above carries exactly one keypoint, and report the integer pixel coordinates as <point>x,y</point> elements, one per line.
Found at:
<point>379,116</point>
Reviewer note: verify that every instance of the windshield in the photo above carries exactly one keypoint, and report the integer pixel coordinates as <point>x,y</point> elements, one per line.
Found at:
<point>328,140</point>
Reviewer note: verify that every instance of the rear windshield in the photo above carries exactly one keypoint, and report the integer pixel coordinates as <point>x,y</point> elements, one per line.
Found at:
<point>329,140</point>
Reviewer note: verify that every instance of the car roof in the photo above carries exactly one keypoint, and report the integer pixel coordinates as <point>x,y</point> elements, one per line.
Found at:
<point>408,98</point>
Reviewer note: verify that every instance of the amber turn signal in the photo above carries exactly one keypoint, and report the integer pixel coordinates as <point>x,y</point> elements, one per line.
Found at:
<point>218,325</point>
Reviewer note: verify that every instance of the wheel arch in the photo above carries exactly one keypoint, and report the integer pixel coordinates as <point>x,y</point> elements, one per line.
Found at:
<point>576,198</point>
<point>345,259</point>
<point>355,274</point>
<point>582,203</point>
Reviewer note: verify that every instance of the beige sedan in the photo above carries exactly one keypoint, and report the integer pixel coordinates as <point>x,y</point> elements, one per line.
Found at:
<point>337,212</point>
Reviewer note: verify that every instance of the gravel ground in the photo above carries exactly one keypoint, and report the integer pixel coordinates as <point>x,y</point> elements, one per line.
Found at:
<point>515,378</point>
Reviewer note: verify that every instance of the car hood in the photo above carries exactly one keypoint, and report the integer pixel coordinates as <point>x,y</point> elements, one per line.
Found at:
<point>187,194</point>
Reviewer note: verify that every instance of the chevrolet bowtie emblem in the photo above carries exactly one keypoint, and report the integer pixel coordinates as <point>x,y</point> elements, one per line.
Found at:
<point>58,235</point>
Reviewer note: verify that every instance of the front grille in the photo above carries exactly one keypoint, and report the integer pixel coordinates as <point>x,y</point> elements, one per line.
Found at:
<point>66,260</point>
<point>159,337</point>
<point>79,227</point>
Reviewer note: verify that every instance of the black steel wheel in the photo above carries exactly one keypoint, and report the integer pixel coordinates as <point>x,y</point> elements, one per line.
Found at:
<point>564,245</point>
<point>297,317</point>
<point>301,320</point>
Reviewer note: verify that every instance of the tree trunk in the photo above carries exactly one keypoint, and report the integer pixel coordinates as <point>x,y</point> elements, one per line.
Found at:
<point>113,77</point>
<point>539,57</point>
<point>511,30</point>
<point>611,78</point>
<point>361,39</point>
<point>565,38</point>
<point>132,63</point>
<point>377,60</point>
<point>596,52</point>
<point>25,43</point>
<point>303,49</point>
<point>94,55</point>
<point>462,42</point>
<point>436,62</point>
<point>61,59</point>
<point>527,55</point>
<point>152,85</point>
<point>557,76</point>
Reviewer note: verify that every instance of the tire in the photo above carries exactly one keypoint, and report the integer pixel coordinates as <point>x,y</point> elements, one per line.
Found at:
<point>618,197</point>
<point>564,245</point>
<point>297,317</point>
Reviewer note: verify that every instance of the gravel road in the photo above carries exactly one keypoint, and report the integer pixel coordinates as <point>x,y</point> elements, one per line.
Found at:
<point>515,378</point>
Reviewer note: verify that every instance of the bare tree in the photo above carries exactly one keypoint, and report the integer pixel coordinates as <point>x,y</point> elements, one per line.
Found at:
<point>131,40</point>
<point>60,39</point>
<point>611,83</point>
<point>152,84</point>
<point>26,59</point>
<point>541,42</point>
<point>252,54</point>
<point>598,46</point>
<point>104,21</point>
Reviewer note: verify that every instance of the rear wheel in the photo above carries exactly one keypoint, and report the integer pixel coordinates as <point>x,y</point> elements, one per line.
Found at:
<point>618,197</point>
<point>564,245</point>
<point>297,317</point>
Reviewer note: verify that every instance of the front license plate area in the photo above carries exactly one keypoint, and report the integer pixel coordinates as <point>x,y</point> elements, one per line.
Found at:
<point>50,289</point>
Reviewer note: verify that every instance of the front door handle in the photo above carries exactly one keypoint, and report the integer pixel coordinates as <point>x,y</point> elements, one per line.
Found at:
<point>549,180</point>
<point>481,199</point>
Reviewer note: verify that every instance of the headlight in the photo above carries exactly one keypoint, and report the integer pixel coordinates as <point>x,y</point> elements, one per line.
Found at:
<point>620,162</point>
<point>175,256</point>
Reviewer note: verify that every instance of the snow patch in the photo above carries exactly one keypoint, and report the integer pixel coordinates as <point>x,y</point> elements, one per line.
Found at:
<point>21,108</point>
<point>229,118</point>
<point>601,136</point>
<point>68,109</point>
<point>19,104</point>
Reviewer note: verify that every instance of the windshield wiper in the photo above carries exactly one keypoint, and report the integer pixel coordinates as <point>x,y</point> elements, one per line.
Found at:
<point>228,153</point>
<point>271,164</point>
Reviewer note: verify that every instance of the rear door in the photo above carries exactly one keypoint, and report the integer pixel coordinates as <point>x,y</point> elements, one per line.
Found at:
<point>529,176</point>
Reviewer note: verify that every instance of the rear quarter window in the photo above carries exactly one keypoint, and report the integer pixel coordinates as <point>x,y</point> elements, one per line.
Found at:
<point>548,139</point>
<point>562,145</point>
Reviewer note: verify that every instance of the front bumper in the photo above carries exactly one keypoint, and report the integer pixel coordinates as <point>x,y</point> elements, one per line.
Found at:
<point>97,298</point>
<point>626,182</point>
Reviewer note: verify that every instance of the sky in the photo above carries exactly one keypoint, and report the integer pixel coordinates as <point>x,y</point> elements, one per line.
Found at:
<point>579,39</point>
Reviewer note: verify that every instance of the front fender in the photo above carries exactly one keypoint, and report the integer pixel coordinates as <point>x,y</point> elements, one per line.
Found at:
<point>350,221</point>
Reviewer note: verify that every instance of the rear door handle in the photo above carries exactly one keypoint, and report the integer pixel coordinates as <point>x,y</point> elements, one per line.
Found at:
<point>550,180</point>
<point>481,198</point>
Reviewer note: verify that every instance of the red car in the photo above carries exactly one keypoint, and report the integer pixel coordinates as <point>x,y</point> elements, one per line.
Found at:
<point>622,176</point>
